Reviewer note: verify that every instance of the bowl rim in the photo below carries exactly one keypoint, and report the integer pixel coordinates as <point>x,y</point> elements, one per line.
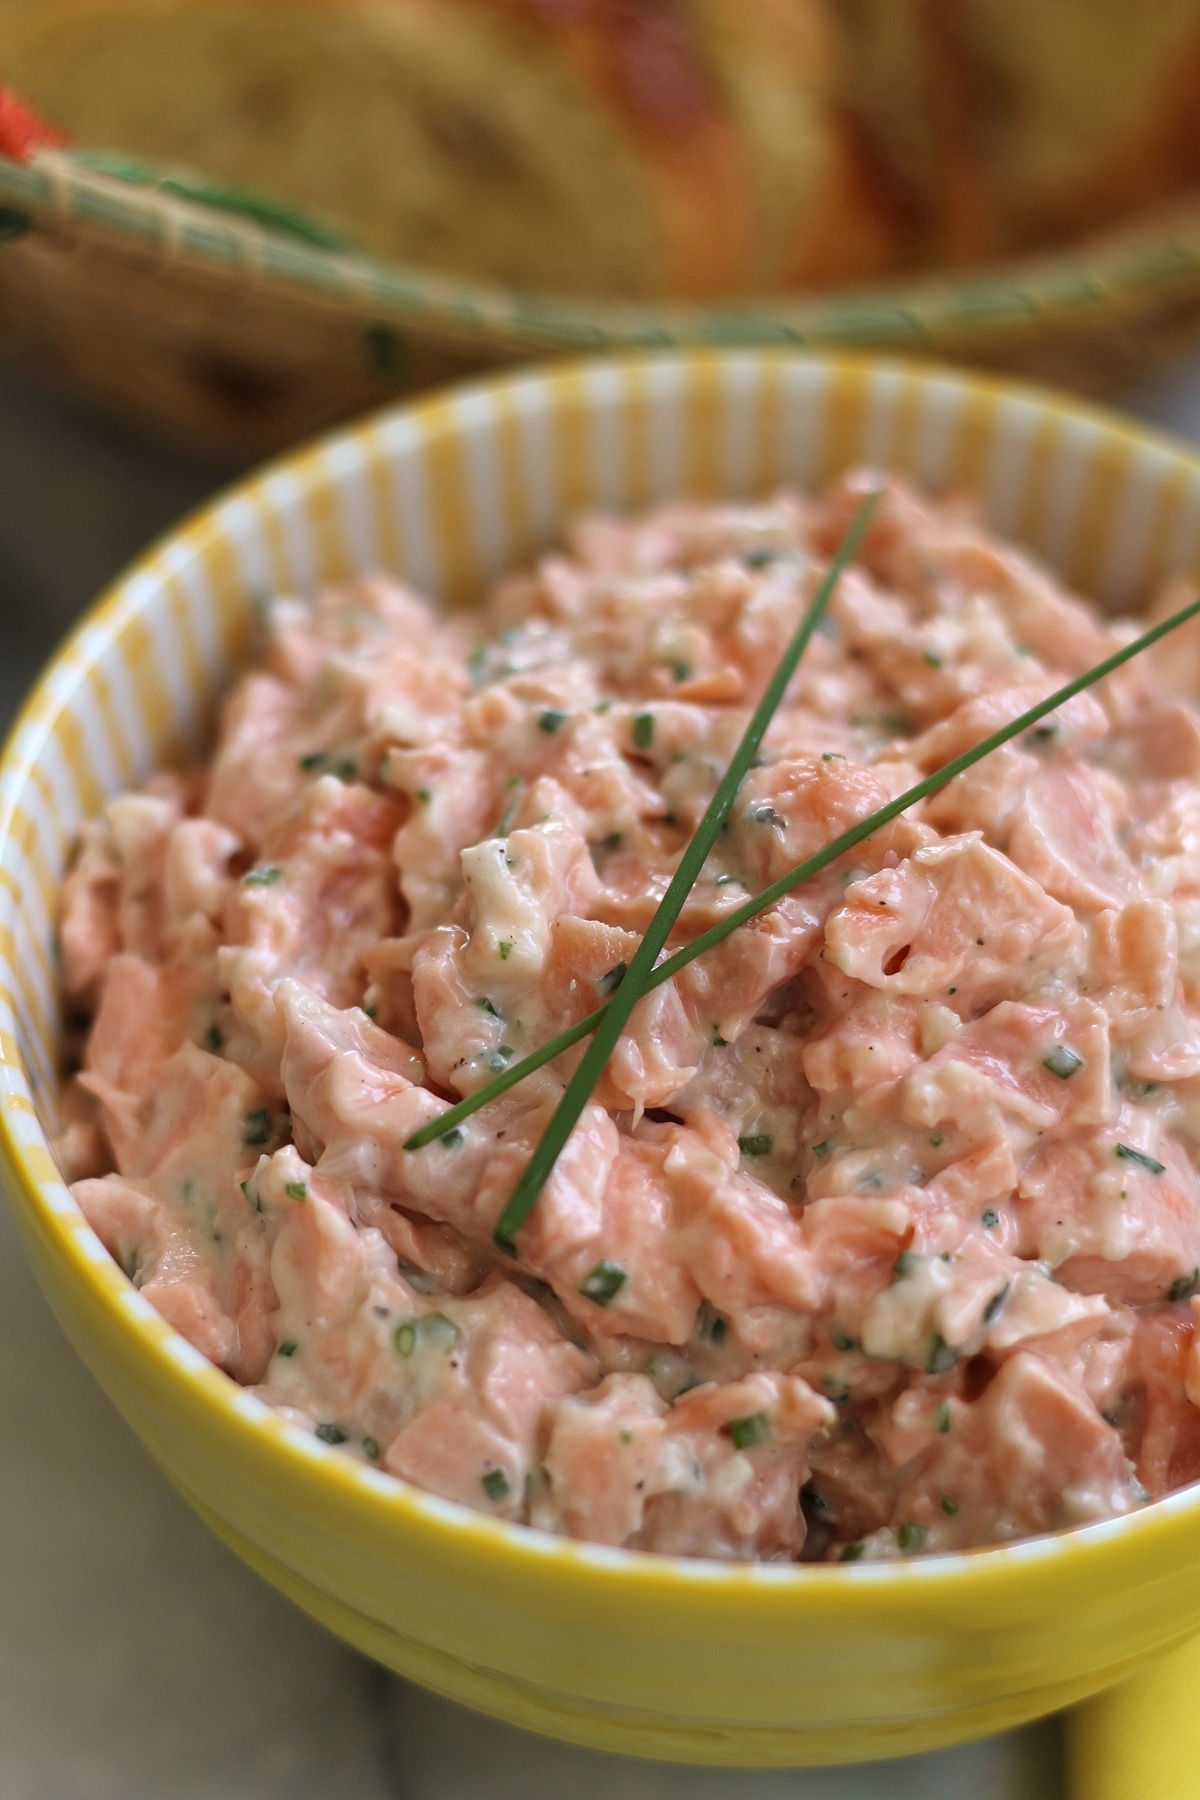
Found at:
<point>1125,270</point>
<point>260,1429</point>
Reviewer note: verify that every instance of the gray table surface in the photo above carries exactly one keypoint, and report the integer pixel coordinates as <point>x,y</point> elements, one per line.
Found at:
<point>138,1659</point>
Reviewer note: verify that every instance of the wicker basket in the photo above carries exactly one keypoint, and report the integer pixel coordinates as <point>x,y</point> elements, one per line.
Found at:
<point>208,328</point>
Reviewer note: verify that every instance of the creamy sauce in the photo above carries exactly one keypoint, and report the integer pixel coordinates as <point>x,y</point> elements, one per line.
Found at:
<point>881,1231</point>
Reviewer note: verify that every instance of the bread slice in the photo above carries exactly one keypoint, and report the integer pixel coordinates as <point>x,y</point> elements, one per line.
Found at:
<point>638,149</point>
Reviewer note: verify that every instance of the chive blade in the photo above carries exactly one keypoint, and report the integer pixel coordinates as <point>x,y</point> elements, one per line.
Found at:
<point>794,878</point>
<point>604,1040</point>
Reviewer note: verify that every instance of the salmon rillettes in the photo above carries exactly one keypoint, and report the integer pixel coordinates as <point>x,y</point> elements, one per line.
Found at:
<point>881,1231</point>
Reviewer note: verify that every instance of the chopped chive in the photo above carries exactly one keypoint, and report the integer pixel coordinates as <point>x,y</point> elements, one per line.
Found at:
<point>405,1339</point>
<point>1143,1161</point>
<point>505,949</point>
<point>843,1343</point>
<point>760,559</point>
<point>296,1190</point>
<point>823,1148</point>
<point>719,1043</point>
<point>754,1428</point>
<point>287,1348</point>
<point>452,1138</point>
<point>643,730</point>
<point>910,1537</point>
<point>711,1328</point>
<point>651,973</point>
<point>213,1038</point>
<point>949,1506</point>
<point>551,720</point>
<point>760,1143</point>
<point>818,1502</point>
<point>625,1437</point>
<point>263,877</point>
<point>436,1329</point>
<point>942,1356</point>
<point>607,845</point>
<point>937,1140</point>
<point>603,1283</point>
<point>424,796</point>
<point>1185,1286</point>
<point>611,981</point>
<point>992,1309</point>
<point>989,1218</point>
<point>941,1418</point>
<point>316,759</point>
<point>851,1552</point>
<point>371,1448</point>
<point>933,659</point>
<point>495,1484</point>
<point>1062,1062</point>
<point>371,1010</point>
<point>331,1434</point>
<point>905,1264</point>
<point>487,1006</point>
<point>500,1057</point>
<point>832,756</point>
<point>682,671</point>
<point>256,1128</point>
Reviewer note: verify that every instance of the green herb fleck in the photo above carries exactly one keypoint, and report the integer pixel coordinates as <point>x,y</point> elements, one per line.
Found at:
<point>760,559</point>
<point>992,1309</point>
<point>505,949</point>
<point>989,1218</point>
<point>832,756</point>
<point>682,671</point>
<point>603,1283</point>
<point>424,796</point>
<point>941,1418</point>
<point>296,1190</point>
<point>1062,1062</point>
<point>263,877</point>
<point>499,1058</point>
<point>288,1347</point>
<point>760,1143</point>
<point>371,1448</point>
<point>937,1140</point>
<point>949,1506</point>
<point>933,659</point>
<point>906,1263</point>
<point>371,1010</point>
<point>1185,1286</point>
<point>551,720</point>
<point>1143,1161</point>
<point>256,1128</point>
<point>213,1039</point>
<point>495,1484</point>
<point>315,759</point>
<point>942,1356</point>
<point>331,1434</point>
<point>818,1502</point>
<point>487,1006</point>
<point>611,981</point>
<point>851,1552</point>
<point>711,1328</point>
<point>643,730</point>
<point>436,1329</point>
<point>841,1342</point>
<point>406,1337</point>
<point>911,1538</point>
<point>752,1429</point>
<point>452,1138</point>
<point>625,1436</point>
<point>719,1043</point>
<point>823,1148</point>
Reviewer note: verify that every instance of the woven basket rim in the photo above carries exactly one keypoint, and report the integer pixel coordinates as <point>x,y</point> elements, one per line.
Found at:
<point>1119,276</point>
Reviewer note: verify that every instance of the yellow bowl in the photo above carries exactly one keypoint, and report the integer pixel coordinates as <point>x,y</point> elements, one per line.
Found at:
<point>689,1660</point>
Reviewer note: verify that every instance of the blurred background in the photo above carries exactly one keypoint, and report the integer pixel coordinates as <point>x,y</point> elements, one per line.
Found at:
<point>225,225</point>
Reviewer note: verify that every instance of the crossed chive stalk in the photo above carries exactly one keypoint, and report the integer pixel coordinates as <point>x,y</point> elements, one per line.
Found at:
<point>645,973</point>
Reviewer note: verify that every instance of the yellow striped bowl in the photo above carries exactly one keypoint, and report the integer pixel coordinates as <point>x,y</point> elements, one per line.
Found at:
<point>689,1660</point>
